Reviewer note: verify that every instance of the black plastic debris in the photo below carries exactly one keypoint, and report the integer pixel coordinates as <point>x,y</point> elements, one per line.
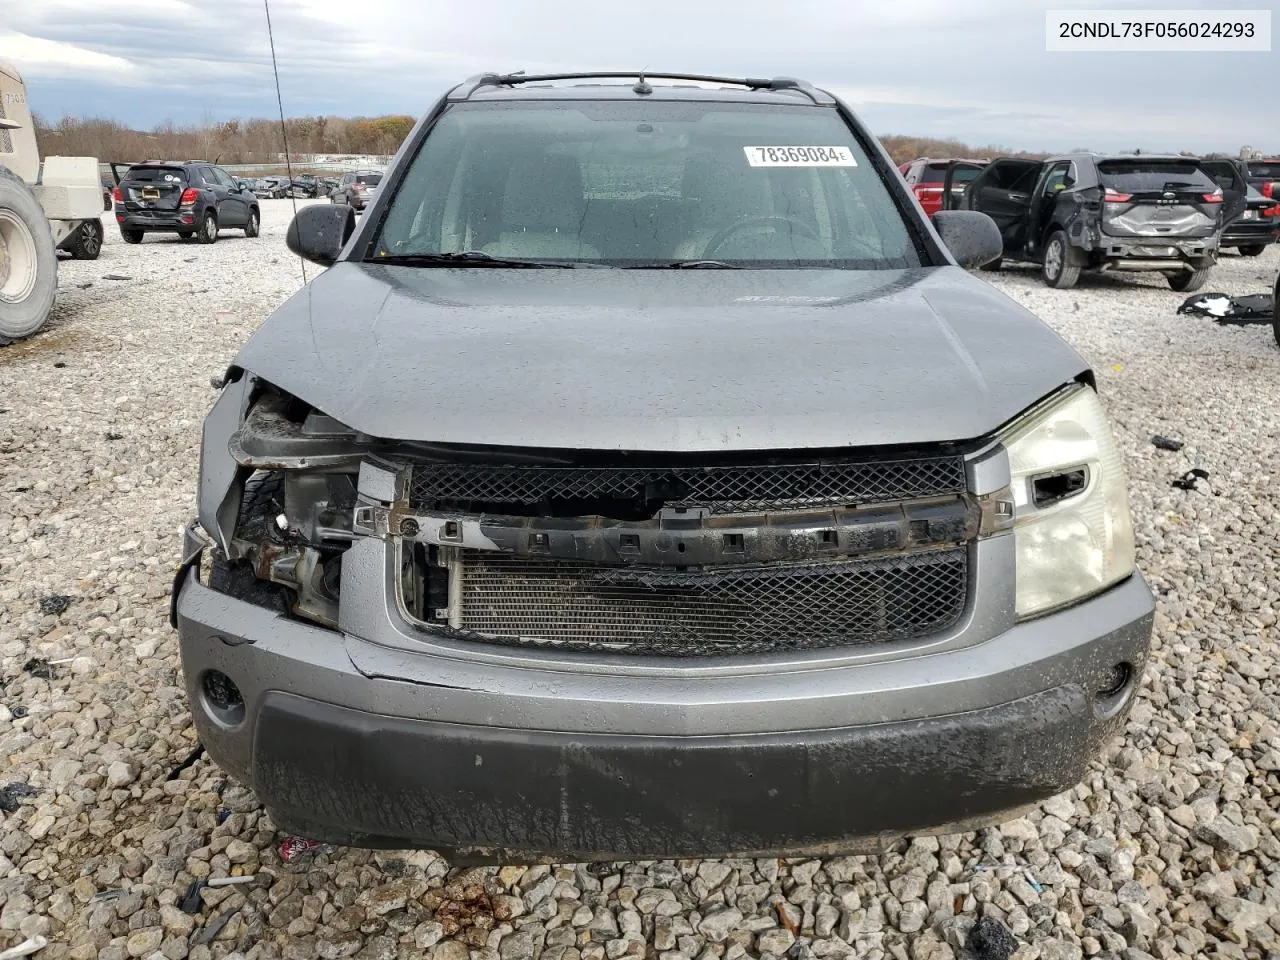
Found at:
<point>39,667</point>
<point>18,711</point>
<point>112,435</point>
<point>1167,443</point>
<point>191,902</point>
<point>60,364</point>
<point>54,604</point>
<point>190,760</point>
<point>1251,308</point>
<point>989,939</point>
<point>1189,479</point>
<point>223,815</point>
<point>214,927</point>
<point>11,794</point>
<point>115,276</point>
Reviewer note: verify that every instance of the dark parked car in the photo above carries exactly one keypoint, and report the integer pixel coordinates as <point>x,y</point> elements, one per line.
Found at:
<point>1258,225</point>
<point>647,478</point>
<point>191,198</point>
<point>1089,211</point>
<point>1264,175</point>
<point>357,189</point>
<point>305,186</point>
<point>925,178</point>
<point>108,185</point>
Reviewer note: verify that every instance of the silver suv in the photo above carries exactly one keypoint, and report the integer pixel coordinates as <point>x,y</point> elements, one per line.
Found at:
<point>647,478</point>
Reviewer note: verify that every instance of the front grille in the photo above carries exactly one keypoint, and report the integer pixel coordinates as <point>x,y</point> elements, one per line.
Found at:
<point>741,610</point>
<point>722,489</point>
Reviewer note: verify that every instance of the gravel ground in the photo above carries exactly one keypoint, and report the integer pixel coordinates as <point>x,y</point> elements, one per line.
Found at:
<point>1169,848</point>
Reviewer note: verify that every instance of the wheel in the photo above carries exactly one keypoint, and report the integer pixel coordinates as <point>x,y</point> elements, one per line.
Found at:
<point>993,266</point>
<point>251,228</point>
<point>1059,269</point>
<point>88,241</point>
<point>186,234</point>
<point>28,263</point>
<point>1253,250</point>
<point>1275,314</point>
<point>1189,281</point>
<point>209,228</point>
<point>131,236</point>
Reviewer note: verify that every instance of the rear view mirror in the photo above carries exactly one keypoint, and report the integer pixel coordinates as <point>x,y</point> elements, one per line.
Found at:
<point>318,233</point>
<point>973,238</point>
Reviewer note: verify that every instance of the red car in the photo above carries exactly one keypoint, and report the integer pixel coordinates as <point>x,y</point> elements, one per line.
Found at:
<point>924,176</point>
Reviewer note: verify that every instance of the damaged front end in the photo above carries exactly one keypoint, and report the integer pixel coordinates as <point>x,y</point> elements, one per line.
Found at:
<point>674,555</point>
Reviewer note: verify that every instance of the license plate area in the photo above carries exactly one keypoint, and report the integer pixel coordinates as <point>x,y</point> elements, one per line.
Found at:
<point>150,193</point>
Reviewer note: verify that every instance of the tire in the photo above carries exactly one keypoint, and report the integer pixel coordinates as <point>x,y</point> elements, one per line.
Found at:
<point>1275,314</point>
<point>208,232</point>
<point>1253,250</point>
<point>88,241</point>
<point>253,227</point>
<point>28,261</point>
<point>1059,268</point>
<point>131,236</point>
<point>993,266</point>
<point>1189,281</point>
<point>186,234</point>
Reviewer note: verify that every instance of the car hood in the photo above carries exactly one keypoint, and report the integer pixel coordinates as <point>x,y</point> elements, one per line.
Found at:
<point>693,360</point>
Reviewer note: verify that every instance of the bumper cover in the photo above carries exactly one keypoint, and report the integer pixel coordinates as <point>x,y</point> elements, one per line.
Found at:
<point>486,793</point>
<point>489,761</point>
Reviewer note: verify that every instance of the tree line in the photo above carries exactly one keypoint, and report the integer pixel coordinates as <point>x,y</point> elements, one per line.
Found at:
<point>230,141</point>
<point>259,140</point>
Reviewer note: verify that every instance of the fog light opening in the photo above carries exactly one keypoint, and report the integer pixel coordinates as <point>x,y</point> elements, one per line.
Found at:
<point>1115,682</point>
<point>222,698</point>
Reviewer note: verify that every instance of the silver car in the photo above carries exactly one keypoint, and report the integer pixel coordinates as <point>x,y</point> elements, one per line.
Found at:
<point>646,477</point>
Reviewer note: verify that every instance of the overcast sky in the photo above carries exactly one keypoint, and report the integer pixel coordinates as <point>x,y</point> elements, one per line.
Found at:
<point>972,69</point>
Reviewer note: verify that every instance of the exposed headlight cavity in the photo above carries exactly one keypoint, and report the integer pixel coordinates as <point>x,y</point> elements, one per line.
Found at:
<point>1074,536</point>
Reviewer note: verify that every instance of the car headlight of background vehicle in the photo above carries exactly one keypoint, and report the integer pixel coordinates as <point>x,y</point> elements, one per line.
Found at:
<point>1074,536</point>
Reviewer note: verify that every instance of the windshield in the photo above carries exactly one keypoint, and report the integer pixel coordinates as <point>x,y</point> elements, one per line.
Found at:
<point>647,184</point>
<point>1145,176</point>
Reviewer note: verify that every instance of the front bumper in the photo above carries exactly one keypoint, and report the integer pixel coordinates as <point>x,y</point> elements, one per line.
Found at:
<point>390,738</point>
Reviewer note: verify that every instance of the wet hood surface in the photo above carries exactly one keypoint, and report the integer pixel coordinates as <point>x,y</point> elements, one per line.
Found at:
<point>695,360</point>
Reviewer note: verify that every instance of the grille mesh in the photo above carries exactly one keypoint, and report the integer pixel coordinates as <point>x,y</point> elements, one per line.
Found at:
<point>740,610</point>
<point>724,489</point>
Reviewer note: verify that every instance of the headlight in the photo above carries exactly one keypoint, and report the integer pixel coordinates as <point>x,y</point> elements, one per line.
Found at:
<point>1072,528</point>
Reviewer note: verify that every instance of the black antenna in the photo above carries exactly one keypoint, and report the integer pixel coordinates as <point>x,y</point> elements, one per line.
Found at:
<point>641,87</point>
<point>284,128</point>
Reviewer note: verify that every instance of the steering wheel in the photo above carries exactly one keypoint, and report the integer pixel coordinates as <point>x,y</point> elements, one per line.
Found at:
<point>718,241</point>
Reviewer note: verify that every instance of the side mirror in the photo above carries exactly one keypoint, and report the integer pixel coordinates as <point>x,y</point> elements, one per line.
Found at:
<point>973,238</point>
<point>319,232</point>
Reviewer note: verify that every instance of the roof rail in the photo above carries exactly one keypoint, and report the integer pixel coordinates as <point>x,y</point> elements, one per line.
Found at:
<point>465,89</point>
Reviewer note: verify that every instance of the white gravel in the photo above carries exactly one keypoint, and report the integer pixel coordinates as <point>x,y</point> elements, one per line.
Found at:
<point>1168,849</point>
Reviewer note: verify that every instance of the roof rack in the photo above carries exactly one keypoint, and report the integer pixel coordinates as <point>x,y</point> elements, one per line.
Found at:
<point>472,84</point>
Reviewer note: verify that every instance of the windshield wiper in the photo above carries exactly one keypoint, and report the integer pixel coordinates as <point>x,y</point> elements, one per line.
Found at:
<point>467,258</point>
<point>688,265</point>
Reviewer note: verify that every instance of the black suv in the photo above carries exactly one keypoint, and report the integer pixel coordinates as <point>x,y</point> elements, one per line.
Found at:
<point>1258,224</point>
<point>1105,212</point>
<point>191,198</point>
